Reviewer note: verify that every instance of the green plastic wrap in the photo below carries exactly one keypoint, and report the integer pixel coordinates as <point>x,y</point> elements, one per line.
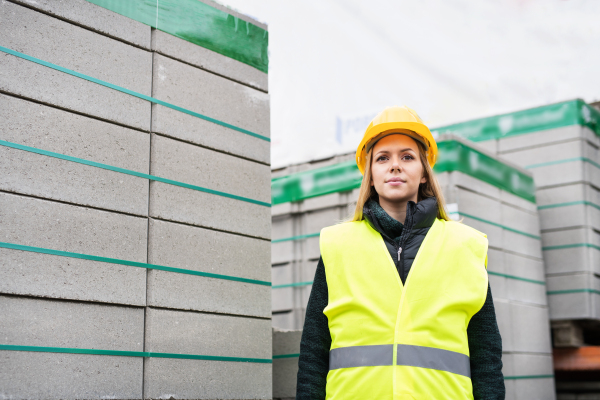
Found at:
<point>572,112</point>
<point>452,156</point>
<point>200,24</point>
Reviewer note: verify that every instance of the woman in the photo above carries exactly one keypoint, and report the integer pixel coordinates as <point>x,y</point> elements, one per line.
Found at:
<point>400,306</point>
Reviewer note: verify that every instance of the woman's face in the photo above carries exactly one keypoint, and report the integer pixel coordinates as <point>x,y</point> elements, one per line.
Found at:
<point>396,169</point>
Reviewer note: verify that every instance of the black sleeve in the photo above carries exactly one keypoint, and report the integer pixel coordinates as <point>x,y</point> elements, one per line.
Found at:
<point>485,348</point>
<point>313,364</point>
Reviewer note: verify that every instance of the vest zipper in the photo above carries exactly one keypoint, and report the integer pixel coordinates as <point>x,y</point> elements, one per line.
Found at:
<point>399,251</point>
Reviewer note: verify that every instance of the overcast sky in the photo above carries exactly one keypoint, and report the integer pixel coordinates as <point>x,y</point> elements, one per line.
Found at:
<point>333,64</point>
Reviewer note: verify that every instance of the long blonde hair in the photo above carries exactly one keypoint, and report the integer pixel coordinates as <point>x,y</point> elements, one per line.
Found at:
<point>428,189</point>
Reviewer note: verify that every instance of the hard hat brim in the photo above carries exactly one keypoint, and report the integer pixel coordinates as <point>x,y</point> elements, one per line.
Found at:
<point>388,127</point>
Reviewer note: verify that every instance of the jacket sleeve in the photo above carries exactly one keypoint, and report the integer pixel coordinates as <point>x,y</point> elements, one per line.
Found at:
<point>313,364</point>
<point>485,348</point>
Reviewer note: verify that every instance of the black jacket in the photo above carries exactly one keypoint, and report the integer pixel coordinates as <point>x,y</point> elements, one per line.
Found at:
<point>485,343</point>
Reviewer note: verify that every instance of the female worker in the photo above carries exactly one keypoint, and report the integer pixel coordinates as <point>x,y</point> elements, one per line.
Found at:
<point>400,306</point>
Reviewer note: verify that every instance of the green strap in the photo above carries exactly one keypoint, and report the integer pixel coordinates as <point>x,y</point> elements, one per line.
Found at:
<point>553,292</point>
<point>130,92</point>
<point>286,356</point>
<point>495,224</point>
<point>566,160</point>
<point>571,203</point>
<point>306,283</point>
<point>130,172</point>
<point>41,349</point>
<point>570,246</point>
<point>518,278</point>
<point>529,377</point>
<point>300,237</point>
<point>130,263</point>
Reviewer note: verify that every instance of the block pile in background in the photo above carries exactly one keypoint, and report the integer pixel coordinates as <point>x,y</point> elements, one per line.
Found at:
<point>530,180</point>
<point>134,202</point>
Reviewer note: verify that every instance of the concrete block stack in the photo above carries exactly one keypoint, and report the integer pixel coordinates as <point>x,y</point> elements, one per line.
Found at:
<point>286,349</point>
<point>560,145</point>
<point>488,193</point>
<point>134,203</point>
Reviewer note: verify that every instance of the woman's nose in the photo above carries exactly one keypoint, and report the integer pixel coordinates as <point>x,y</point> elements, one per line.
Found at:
<point>395,165</point>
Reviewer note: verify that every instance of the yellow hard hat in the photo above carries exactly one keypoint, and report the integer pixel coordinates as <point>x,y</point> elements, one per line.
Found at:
<point>396,120</point>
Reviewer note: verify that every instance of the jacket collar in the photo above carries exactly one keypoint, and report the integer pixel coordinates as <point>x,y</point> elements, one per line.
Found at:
<point>418,215</point>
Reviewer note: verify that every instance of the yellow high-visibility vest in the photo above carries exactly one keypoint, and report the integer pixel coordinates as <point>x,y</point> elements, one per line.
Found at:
<point>395,341</point>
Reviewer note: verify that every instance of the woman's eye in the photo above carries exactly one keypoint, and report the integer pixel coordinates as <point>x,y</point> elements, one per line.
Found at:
<point>409,156</point>
<point>380,158</point>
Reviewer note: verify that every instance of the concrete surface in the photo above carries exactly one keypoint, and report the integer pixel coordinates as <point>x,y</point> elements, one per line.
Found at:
<point>198,166</point>
<point>222,99</point>
<point>182,332</point>
<point>285,370</point>
<point>198,249</point>
<point>93,17</point>
<point>51,225</point>
<point>28,375</point>
<point>197,379</point>
<point>41,322</point>
<point>174,203</point>
<point>43,275</point>
<point>189,292</point>
<point>209,60</point>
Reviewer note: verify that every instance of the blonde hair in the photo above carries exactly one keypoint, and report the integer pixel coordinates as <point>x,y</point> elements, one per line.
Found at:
<point>428,189</point>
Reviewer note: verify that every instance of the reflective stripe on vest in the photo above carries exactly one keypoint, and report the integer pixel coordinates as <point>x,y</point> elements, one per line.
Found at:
<point>413,356</point>
<point>391,340</point>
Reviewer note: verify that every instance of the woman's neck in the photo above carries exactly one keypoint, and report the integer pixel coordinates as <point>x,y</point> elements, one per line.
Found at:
<point>396,210</point>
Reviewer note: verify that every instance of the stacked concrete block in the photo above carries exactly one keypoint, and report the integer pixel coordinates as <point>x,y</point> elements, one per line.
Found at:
<point>565,162</point>
<point>515,262</point>
<point>286,349</point>
<point>134,238</point>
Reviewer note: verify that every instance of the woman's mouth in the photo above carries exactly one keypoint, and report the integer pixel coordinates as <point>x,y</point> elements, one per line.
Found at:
<point>395,181</point>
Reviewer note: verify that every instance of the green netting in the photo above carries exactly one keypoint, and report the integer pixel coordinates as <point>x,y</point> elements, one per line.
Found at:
<point>453,156</point>
<point>200,24</point>
<point>572,112</point>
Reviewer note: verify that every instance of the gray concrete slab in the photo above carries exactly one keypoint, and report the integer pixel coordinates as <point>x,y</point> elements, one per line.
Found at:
<point>548,136</point>
<point>570,216</point>
<point>42,176</point>
<point>494,233</point>
<point>51,323</point>
<point>547,152</point>
<point>285,376</point>
<point>320,202</point>
<point>48,128</point>
<point>84,13</point>
<point>286,341</point>
<point>282,209</point>
<point>282,299</point>
<point>34,81</point>
<point>28,375</point>
<point>43,275</point>
<point>456,178</point>
<point>33,222</point>
<point>222,99</point>
<point>534,365</point>
<point>576,305</point>
<point>503,317</point>
<point>536,338</point>
<point>190,292</point>
<point>565,174</point>
<point>181,332</point>
<point>285,370</point>
<point>311,248</point>
<point>282,275</point>
<point>568,193</point>
<point>521,220</point>
<point>314,221</point>
<point>174,203</point>
<point>209,60</point>
<point>179,125</point>
<point>198,166</point>
<point>571,259</point>
<point>519,243</point>
<point>524,267</point>
<point>79,49</point>
<point>75,48</point>
<point>197,379</point>
<point>282,252</point>
<point>198,249</point>
<point>285,320</point>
